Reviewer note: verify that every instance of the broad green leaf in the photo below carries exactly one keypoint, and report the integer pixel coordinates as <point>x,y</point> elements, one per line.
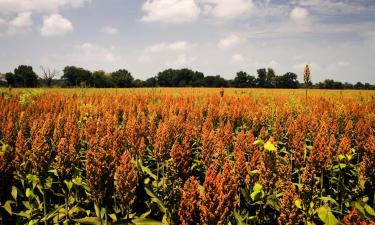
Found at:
<point>298,203</point>
<point>256,195</point>
<point>155,199</point>
<point>257,187</point>
<point>145,221</point>
<point>358,206</point>
<point>369,210</point>
<point>259,143</point>
<point>29,193</point>
<point>272,201</point>
<point>113,217</point>
<point>77,181</point>
<point>48,183</point>
<point>14,193</point>
<point>329,199</point>
<point>342,165</point>
<point>69,184</point>
<point>327,216</point>
<point>88,220</point>
<point>8,207</point>
<point>144,215</point>
<point>341,157</point>
<point>270,147</point>
<point>253,172</point>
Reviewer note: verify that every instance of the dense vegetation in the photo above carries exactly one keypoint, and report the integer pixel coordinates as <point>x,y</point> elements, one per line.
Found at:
<point>186,156</point>
<point>72,76</point>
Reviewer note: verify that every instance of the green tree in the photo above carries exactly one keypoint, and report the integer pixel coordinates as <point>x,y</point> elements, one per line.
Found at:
<point>75,76</point>
<point>288,80</point>
<point>101,80</point>
<point>122,78</point>
<point>262,78</point>
<point>25,76</point>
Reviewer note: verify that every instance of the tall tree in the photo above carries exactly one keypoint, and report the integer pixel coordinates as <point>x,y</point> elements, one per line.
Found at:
<point>25,76</point>
<point>75,76</point>
<point>262,77</point>
<point>122,78</point>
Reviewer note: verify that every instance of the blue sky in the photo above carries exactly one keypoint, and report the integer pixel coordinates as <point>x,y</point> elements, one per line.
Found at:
<point>335,37</point>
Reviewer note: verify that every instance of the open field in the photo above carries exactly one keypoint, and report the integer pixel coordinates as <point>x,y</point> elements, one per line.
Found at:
<point>187,156</point>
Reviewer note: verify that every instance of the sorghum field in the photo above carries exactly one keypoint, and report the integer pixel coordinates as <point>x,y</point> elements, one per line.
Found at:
<point>186,156</point>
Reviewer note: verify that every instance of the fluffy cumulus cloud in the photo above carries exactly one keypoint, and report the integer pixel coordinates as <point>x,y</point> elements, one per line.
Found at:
<point>170,11</point>
<point>110,30</point>
<point>230,41</point>
<point>162,47</point>
<point>299,13</point>
<point>16,6</point>
<point>17,14</point>
<point>22,22</point>
<point>55,24</point>
<point>228,9</point>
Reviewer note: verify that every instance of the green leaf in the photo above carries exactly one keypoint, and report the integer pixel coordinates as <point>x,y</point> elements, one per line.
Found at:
<point>14,193</point>
<point>148,171</point>
<point>239,219</point>
<point>88,220</point>
<point>257,187</point>
<point>341,157</point>
<point>256,195</point>
<point>48,183</point>
<point>342,165</point>
<point>259,143</point>
<point>29,193</point>
<point>270,147</point>
<point>155,199</point>
<point>253,172</point>
<point>272,201</point>
<point>8,207</point>
<point>325,215</point>
<point>97,210</point>
<point>113,217</point>
<point>369,210</point>
<point>77,181</point>
<point>144,215</point>
<point>145,221</point>
<point>329,199</point>
<point>69,184</point>
<point>359,206</point>
<point>298,203</point>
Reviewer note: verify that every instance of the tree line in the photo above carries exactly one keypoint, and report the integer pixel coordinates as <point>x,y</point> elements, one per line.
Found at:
<point>72,76</point>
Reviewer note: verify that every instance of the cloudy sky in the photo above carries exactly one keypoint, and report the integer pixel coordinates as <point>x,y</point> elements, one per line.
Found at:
<point>335,37</point>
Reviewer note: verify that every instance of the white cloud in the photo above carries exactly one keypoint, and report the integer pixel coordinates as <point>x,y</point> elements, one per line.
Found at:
<point>54,25</point>
<point>237,58</point>
<point>161,47</point>
<point>228,9</point>
<point>16,6</point>
<point>110,30</point>
<point>170,11</point>
<point>20,24</point>
<point>230,41</point>
<point>335,7</point>
<point>182,60</point>
<point>299,13</point>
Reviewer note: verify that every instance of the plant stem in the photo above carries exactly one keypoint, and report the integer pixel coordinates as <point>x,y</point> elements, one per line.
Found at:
<point>44,205</point>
